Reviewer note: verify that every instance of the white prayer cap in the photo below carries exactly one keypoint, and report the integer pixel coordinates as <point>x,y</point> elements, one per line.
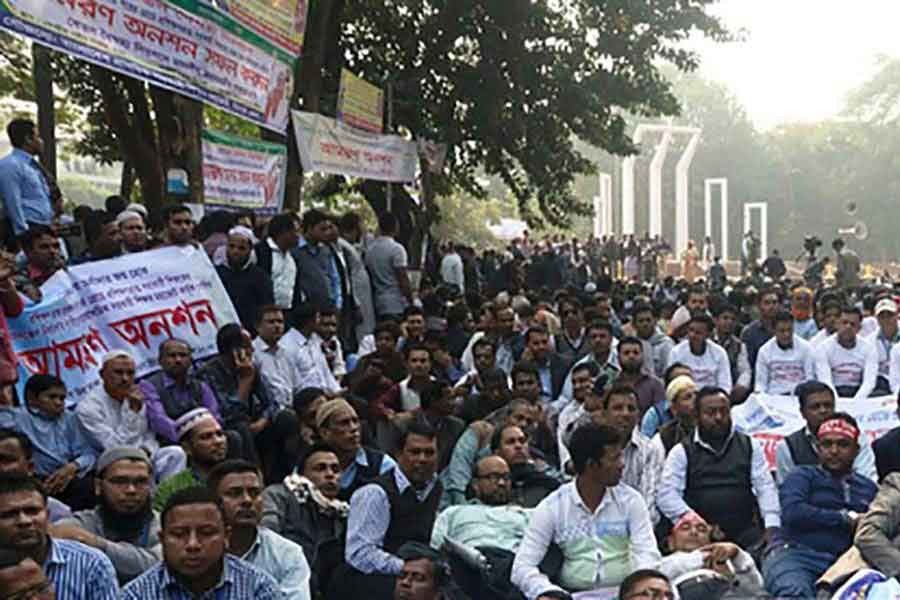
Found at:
<point>243,232</point>
<point>138,208</point>
<point>126,215</point>
<point>189,420</point>
<point>113,355</point>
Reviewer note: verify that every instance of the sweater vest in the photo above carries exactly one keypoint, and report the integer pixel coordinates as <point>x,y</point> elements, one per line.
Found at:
<point>411,520</point>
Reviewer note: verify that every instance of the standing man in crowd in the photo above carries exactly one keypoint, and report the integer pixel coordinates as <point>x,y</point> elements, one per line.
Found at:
<point>247,285</point>
<point>387,262</point>
<point>179,221</point>
<point>132,231</point>
<point>24,186</point>
<point>274,257</point>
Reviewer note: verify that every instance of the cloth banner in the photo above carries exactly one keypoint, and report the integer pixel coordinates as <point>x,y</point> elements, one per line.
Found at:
<point>241,173</point>
<point>770,419</point>
<point>133,303</point>
<point>180,45</point>
<point>360,104</point>
<point>329,146</point>
<point>281,22</point>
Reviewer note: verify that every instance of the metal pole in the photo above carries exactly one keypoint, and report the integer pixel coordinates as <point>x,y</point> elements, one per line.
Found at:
<point>390,129</point>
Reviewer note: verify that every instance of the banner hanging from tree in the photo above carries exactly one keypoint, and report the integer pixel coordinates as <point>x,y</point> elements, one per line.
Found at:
<point>770,419</point>
<point>179,45</point>
<point>281,22</point>
<point>132,303</point>
<point>360,104</point>
<point>239,173</point>
<point>329,146</point>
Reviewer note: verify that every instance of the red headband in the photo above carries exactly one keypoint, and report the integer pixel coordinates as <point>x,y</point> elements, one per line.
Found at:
<point>838,427</point>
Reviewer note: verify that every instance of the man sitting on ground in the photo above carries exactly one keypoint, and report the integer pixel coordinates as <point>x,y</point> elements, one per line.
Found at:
<point>847,363</point>
<point>21,577</point>
<point>821,507</point>
<point>123,526</point>
<point>436,411</point>
<point>707,360</point>
<point>646,584</point>
<point>16,459</point>
<point>785,361</point>
<point>532,479</point>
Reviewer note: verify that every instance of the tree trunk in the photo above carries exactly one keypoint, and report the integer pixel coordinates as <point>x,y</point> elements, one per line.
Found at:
<point>126,183</point>
<point>43,91</point>
<point>190,156</point>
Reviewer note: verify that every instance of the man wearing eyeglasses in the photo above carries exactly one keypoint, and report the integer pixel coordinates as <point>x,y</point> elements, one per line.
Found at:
<point>646,584</point>
<point>123,526</point>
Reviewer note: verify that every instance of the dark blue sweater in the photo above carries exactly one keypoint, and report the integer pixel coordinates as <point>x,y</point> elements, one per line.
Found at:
<point>811,503</point>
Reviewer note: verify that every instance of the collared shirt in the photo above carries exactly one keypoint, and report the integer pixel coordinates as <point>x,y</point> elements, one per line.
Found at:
<point>806,329</point>
<point>333,352</point>
<point>312,366</point>
<point>475,524</point>
<point>370,517</point>
<point>279,370</point>
<point>670,498</point>
<point>78,572</point>
<point>111,422</point>
<point>643,468</point>
<point>284,274</point>
<point>884,347</point>
<point>610,369</point>
<point>619,531</point>
<point>24,191</point>
<point>864,464</point>
<point>456,477</point>
<point>56,442</point>
<point>160,422</point>
<point>348,475</point>
<point>283,560</point>
<point>240,581</point>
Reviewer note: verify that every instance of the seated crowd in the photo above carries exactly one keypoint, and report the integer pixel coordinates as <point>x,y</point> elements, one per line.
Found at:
<point>354,438</point>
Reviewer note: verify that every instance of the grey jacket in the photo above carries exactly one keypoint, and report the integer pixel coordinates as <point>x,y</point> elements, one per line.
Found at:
<point>878,534</point>
<point>130,557</point>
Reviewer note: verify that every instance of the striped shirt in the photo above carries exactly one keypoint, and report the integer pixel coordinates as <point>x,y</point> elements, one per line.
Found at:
<point>78,572</point>
<point>240,581</point>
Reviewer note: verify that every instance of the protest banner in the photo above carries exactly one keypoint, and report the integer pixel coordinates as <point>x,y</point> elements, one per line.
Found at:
<point>281,22</point>
<point>770,419</point>
<point>179,45</point>
<point>329,146</point>
<point>239,173</point>
<point>360,104</point>
<point>132,303</point>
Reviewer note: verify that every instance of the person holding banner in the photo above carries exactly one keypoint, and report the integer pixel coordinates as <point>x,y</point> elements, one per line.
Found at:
<point>133,231</point>
<point>785,361</point>
<point>800,448</point>
<point>821,509</point>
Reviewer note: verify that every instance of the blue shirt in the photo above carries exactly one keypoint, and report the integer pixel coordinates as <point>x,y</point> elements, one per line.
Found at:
<point>348,475</point>
<point>56,442</point>
<point>78,572</point>
<point>283,560</point>
<point>240,580</point>
<point>25,193</point>
<point>814,506</point>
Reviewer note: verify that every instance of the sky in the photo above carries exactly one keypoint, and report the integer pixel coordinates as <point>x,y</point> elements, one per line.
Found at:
<point>800,57</point>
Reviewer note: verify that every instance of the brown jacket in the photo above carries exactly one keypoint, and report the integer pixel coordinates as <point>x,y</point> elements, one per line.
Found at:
<point>878,534</point>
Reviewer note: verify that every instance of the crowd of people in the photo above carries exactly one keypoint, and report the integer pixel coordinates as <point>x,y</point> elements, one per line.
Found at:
<point>551,421</point>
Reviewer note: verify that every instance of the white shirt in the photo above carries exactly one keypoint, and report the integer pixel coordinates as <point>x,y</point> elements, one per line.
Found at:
<point>452,271</point>
<point>311,362</point>
<point>278,367</point>
<point>883,346</point>
<point>112,423</point>
<point>780,370</point>
<point>284,274</point>
<point>670,497</point>
<point>894,369</point>
<point>569,414</point>
<point>710,368</point>
<point>820,337</point>
<point>857,366</point>
<point>338,366</point>
<point>620,527</point>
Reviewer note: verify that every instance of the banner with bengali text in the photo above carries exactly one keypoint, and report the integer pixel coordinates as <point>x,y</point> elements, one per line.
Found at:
<point>179,45</point>
<point>133,303</point>
<point>770,419</point>
<point>329,146</point>
<point>240,173</point>
<point>360,104</point>
<point>282,22</point>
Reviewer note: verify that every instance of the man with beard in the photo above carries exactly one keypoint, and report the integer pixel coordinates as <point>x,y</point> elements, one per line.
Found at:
<point>721,474</point>
<point>531,478</point>
<point>132,231</point>
<point>116,415</point>
<point>649,389</point>
<point>846,362</point>
<point>123,526</point>
<point>205,444</point>
<point>657,345</point>
<point>398,507</point>
<point>305,509</point>
<point>489,519</point>
<point>239,487</point>
<point>821,507</point>
<point>76,571</point>
<point>248,286</point>
<point>195,560</point>
<point>707,360</point>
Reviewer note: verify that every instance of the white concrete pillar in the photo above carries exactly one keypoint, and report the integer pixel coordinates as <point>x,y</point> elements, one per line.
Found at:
<point>722,183</point>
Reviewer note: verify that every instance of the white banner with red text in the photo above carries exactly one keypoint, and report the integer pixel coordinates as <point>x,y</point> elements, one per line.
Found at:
<point>240,173</point>
<point>329,146</point>
<point>180,45</point>
<point>770,419</point>
<point>132,303</point>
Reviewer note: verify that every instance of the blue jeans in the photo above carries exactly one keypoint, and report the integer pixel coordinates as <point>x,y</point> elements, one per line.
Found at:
<point>791,571</point>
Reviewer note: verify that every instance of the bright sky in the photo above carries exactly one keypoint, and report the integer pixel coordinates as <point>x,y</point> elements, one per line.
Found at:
<point>800,57</point>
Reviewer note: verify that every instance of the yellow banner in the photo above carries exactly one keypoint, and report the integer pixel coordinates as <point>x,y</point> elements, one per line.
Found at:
<point>360,103</point>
